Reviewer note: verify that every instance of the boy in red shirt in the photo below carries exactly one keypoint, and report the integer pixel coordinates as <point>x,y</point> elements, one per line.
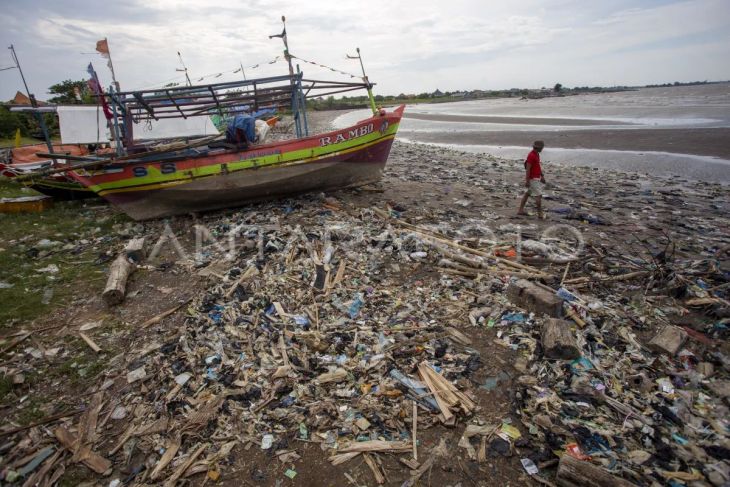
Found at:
<point>534,179</point>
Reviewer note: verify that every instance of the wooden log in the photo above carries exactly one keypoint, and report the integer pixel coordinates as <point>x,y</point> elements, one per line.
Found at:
<point>135,249</point>
<point>577,473</point>
<point>116,285</point>
<point>558,341</point>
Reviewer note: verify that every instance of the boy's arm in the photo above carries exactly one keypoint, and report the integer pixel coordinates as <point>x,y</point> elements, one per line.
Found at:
<point>528,167</point>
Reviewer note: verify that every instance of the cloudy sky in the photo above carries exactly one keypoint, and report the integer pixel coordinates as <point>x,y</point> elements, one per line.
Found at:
<point>408,45</point>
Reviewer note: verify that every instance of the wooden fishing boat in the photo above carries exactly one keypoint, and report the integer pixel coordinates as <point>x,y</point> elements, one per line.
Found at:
<point>23,160</point>
<point>207,174</point>
<point>208,178</point>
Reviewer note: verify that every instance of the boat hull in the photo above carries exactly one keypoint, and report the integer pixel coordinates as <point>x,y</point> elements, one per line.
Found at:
<point>339,159</point>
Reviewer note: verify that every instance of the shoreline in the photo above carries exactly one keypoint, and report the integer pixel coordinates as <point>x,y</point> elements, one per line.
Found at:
<point>694,141</point>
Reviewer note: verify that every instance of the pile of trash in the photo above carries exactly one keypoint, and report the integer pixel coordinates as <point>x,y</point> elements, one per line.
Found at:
<point>353,329</point>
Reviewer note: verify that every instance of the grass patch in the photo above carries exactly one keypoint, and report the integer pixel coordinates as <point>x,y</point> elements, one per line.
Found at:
<point>31,411</point>
<point>9,189</point>
<point>71,228</point>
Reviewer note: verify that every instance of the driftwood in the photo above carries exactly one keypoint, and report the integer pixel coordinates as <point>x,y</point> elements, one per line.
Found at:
<point>577,473</point>
<point>558,341</point>
<point>442,239</point>
<point>116,285</point>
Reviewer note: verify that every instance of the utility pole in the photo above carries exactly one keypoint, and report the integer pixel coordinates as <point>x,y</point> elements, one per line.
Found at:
<point>33,101</point>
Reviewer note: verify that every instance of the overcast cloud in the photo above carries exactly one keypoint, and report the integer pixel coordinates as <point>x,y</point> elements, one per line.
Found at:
<point>408,46</point>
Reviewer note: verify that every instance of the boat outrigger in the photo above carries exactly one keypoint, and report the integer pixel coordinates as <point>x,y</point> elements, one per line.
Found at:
<point>215,172</point>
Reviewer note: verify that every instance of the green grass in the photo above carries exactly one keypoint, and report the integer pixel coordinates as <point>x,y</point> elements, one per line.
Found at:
<point>21,257</point>
<point>10,189</point>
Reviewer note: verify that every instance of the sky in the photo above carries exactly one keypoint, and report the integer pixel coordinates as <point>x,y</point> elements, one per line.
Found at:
<point>408,46</point>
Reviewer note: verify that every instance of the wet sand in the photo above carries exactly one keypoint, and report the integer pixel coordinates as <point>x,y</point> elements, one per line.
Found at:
<point>713,142</point>
<point>576,122</point>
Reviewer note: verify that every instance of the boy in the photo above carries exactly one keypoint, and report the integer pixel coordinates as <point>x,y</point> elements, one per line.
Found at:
<point>534,179</point>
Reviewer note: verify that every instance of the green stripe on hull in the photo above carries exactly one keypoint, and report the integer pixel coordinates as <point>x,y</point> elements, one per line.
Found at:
<point>155,177</point>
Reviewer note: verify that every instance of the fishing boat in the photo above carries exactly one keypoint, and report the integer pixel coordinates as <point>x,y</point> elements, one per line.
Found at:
<point>20,161</point>
<point>220,171</point>
<point>208,179</point>
<point>217,172</point>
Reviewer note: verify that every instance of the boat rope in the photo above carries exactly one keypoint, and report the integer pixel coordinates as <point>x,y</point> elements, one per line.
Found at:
<point>334,70</point>
<point>213,75</point>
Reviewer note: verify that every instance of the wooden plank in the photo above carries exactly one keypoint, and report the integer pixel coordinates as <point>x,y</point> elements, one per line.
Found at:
<point>93,460</point>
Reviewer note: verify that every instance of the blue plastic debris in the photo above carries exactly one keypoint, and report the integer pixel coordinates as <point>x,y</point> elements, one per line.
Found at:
<point>354,308</point>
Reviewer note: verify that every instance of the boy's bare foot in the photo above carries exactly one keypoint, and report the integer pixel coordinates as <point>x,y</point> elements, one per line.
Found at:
<point>541,216</point>
<point>522,213</point>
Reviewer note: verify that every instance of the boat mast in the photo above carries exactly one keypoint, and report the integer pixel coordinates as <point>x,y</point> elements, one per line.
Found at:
<point>33,102</point>
<point>184,69</point>
<point>296,86</point>
<point>365,79</point>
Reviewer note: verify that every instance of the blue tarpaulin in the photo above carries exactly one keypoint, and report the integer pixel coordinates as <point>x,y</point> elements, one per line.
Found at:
<point>242,128</point>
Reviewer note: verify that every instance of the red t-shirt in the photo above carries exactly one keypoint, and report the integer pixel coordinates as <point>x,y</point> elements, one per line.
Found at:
<point>535,170</point>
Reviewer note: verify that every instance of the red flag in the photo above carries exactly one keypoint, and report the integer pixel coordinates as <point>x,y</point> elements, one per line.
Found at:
<point>102,47</point>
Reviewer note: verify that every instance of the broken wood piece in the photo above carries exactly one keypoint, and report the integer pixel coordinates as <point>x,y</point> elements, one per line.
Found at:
<point>94,461</point>
<point>164,314</point>
<point>248,273</point>
<point>376,445</point>
<point>116,285</point>
<point>172,447</point>
<point>343,457</point>
<point>445,393</point>
<point>558,341</point>
<point>375,468</point>
<point>570,313</point>
<point>337,376</point>
<point>90,342</point>
<point>414,428</point>
<point>172,480</point>
<point>578,473</point>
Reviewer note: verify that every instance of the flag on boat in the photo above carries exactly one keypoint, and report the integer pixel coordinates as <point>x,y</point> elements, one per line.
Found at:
<point>102,47</point>
<point>97,90</point>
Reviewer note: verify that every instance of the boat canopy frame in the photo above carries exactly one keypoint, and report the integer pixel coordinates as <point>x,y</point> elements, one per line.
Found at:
<point>287,91</point>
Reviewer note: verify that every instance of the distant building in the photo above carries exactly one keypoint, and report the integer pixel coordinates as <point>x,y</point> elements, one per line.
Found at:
<point>438,93</point>
<point>21,99</point>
